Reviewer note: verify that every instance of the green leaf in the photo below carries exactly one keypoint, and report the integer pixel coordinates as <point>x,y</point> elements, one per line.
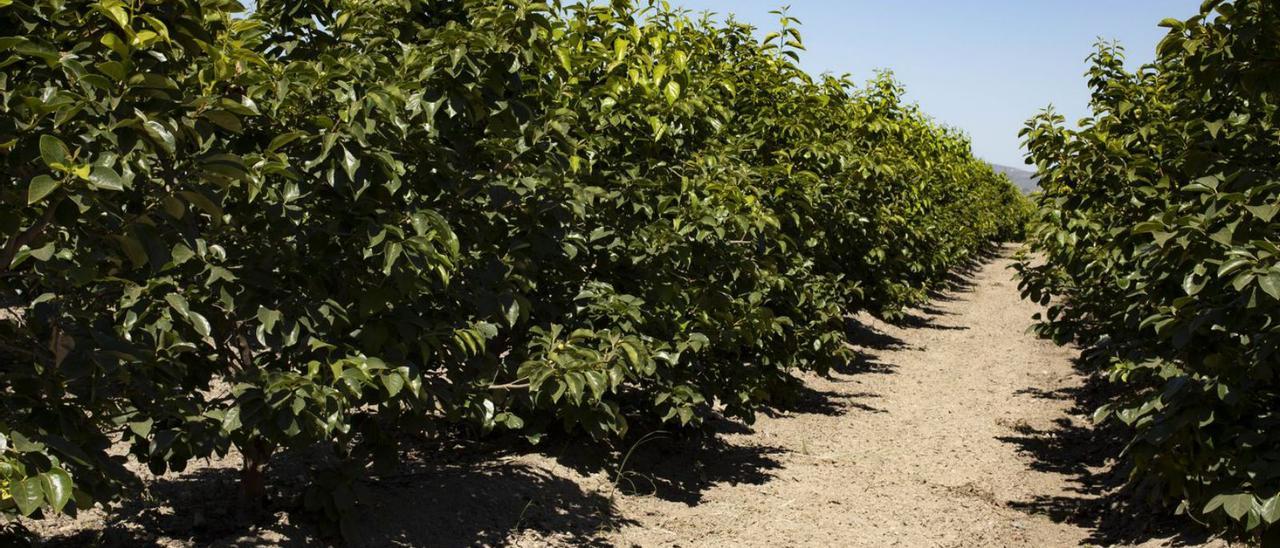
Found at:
<point>142,428</point>
<point>512,421</point>
<point>225,120</point>
<point>54,152</point>
<point>1214,503</point>
<point>115,69</point>
<point>284,139</point>
<point>44,253</point>
<point>200,324</point>
<point>1242,280</point>
<point>1232,266</point>
<point>685,414</point>
<point>116,13</point>
<point>132,249</point>
<point>204,203</point>
<point>1193,284</point>
<point>1148,227</point>
<point>160,135</point>
<point>268,318</point>
<point>576,383</point>
<point>1225,236</point>
<point>1101,414</point>
<point>671,91</point>
<point>174,207</point>
<point>1237,505</point>
<point>40,188</point>
<point>231,420</point>
<point>598,383</point>
<point>1271,284</point>
<point>179,303</point>
<point>106,178</point>
<point>512,312</point>
<point>1271,510</point>
<point>392,254</point>
<point>57,487</point>
<point>27,495</point>
<point>393,382</point>
<point>145,38</point>
<point>633,357</point>
<point>349,163</point>
<point>229,165</point>
<point>1264,212</point>
<point>114,43</point>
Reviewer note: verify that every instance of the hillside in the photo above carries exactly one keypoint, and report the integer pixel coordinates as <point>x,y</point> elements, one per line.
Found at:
<point>1021,177</point>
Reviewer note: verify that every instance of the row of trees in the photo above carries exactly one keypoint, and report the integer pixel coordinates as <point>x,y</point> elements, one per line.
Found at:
<point>1160,236</point>
<point>332,221</point>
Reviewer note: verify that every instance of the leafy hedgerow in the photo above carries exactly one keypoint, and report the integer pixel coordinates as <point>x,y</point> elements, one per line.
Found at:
<point>1159,228</point>
<point>322,222</point>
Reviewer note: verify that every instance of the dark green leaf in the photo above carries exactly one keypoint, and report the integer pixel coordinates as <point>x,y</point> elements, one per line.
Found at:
<point>27,494</point>
<point>40,188</point>
<point>54,152</point>
<point>106,178</point>
<point>57,488</point>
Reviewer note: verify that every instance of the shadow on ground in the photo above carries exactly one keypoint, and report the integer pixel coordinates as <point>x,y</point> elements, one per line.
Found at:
<point>809,401</point>
<point>1101,501</point>
<point>673,466</point>
<point>471,500</point>
<point>481,503</point>
<point>196,508</point>
<point>929,320</point>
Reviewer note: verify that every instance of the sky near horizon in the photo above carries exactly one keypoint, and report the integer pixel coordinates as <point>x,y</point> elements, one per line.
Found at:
<point>982,66</point>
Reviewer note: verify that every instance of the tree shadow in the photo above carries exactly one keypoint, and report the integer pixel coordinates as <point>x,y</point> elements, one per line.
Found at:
<point>1101,499</point>
<point>473,497</point>
<point>866,364</point>
<point>1061,394</point>
<point>926,321</point>
<point>866,337</point>
<point>480,503</point>
<point>676,467</point>
<point>959,281</point>
<point>867,341</point>
<point>197,508</point>
<point>809,401</point>
<point>931,310</point>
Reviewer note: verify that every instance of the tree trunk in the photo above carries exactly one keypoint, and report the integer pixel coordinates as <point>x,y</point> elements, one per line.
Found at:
<point>253,481</point>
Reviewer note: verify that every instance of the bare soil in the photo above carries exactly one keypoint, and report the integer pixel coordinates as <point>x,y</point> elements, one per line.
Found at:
<point>957,429</point>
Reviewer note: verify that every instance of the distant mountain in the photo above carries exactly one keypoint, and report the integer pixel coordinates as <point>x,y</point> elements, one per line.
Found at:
<point>1025,180</point>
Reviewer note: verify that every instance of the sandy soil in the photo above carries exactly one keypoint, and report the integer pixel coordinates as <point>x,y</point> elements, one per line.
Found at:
<point>958,429</point>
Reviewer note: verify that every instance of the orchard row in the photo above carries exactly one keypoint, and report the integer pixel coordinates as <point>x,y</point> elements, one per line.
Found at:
<point>1160,240</point>
<point>337,221</point>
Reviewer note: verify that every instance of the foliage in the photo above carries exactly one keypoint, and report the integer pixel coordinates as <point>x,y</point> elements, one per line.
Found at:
<point>332,221</point>
<point>1158,229</point>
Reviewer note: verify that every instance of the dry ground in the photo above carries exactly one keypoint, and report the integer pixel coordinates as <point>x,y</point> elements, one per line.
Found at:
<point>959,429</point>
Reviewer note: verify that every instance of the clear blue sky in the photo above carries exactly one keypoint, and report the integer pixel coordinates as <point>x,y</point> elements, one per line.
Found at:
<point>982,66</point>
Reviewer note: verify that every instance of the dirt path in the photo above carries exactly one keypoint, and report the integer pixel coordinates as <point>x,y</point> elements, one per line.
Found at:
<point>960,429</point>
<point>915,456</point>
